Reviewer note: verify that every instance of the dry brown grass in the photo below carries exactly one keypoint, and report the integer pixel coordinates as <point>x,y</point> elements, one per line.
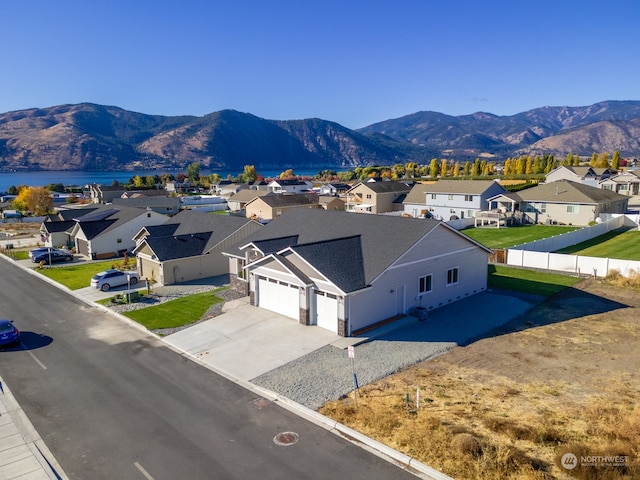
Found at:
<point>509,407</point>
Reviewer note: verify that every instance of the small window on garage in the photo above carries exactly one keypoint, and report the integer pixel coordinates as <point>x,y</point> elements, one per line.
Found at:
<point>119,240</point>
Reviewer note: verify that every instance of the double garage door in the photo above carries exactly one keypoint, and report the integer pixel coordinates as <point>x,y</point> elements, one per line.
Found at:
<point>284,298</point>
<point>279,297</point>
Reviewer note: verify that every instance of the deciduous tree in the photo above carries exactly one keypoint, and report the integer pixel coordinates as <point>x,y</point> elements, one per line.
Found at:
<point>37,200</point>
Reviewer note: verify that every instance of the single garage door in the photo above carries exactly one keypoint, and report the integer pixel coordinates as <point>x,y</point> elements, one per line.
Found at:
<point>326,311</point>
<point>279,297</point>
<point>82,246</point>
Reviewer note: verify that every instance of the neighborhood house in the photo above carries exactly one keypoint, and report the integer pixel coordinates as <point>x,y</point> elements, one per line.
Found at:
<point>346,272</point>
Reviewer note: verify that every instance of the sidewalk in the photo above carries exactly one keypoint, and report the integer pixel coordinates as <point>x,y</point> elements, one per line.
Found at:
<point>23,454</point>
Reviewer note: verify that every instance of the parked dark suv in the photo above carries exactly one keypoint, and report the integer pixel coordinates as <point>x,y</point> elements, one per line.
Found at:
<point>52,255</point>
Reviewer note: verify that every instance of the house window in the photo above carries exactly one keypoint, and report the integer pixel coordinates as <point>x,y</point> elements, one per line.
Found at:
<point>452,211</point>
<point>573,208</point>
<point>450,196</point>
<point>543,208</point>
<point>452,276</point>
<point>607,187</point>
<point>119,240</point>
<point>424,284</point>
<point>434,196</point>
<point>624,187</point>
<point>368,196</point>
<point>278,212</point>
<point>468,198</point>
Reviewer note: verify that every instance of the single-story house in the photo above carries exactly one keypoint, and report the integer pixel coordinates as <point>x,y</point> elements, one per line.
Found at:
<point>289,186</point>
<point>376,196</point>
<point>108,231</point>
<point>451,199</point>
<point>330,202</point>
<point>347,273</point>
<point>581,174</point>
<point>562,202</point>
<point>333,188</point>
<point>188,246</point>
<point>268,207</point>
<point>55,230</point>
<point>237,201</point>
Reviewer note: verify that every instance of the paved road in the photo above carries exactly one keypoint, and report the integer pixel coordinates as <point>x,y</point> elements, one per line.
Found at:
<point>111,401</point>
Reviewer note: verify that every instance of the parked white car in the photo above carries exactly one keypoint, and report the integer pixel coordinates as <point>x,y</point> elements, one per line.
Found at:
<point>113,278</point>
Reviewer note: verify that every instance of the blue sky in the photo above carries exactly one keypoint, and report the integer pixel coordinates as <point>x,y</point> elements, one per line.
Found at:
<point>352,62</point>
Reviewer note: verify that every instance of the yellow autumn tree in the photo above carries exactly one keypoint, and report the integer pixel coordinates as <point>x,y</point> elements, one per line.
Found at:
<point>37,200</point>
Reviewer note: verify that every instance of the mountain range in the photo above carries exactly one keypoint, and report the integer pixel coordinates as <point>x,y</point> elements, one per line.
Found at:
<point>95,137</point>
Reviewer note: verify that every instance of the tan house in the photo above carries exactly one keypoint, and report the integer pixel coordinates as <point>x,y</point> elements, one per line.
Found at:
<point>376,197</point>
<point>562,202</point>
<point>264,209</point>
<point>188,246</point>
<point>237,201</point>
<point>330,202</point>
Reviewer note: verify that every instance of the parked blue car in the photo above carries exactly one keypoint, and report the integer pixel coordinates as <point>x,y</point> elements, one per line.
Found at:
<point>9,334</point>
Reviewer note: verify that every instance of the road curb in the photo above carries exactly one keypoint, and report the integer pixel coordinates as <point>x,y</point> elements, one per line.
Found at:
<point>388,454</point>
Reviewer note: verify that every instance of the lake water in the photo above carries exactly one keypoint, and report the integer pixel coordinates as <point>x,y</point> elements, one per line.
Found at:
<point>41,178</point>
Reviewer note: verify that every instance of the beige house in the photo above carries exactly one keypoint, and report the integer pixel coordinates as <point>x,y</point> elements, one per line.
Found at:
<point>562,202</point>
<point>264,209</point>
<point>188,246</point>
<point>237,201</point>
<point>376,197</point>
<point>330,202</point>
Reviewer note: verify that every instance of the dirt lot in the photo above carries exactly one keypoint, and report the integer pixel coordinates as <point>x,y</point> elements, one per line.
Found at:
<point>562,379</point>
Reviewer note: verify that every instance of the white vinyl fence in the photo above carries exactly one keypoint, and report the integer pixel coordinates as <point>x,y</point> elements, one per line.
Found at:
<point>537,254</point>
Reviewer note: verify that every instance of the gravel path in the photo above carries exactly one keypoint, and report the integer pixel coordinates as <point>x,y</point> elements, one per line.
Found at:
<point>326,374</point>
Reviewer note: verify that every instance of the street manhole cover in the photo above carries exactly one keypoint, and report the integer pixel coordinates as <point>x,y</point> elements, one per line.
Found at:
<point>260,403</point>
<point>285,439</point>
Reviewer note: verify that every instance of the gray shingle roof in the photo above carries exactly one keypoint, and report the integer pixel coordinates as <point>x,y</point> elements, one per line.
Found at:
<point>179,246</point>
<point>189,228</point>
<point>385,187</point>
<point>340,260</point>
<point>566,191</point>
<point>280,200</point>
<point>383,238</point>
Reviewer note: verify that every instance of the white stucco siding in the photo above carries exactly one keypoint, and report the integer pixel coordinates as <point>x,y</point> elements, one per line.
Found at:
<point>381,301</point>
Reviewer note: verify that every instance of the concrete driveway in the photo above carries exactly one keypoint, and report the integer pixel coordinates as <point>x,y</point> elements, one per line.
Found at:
<point>247,341</point>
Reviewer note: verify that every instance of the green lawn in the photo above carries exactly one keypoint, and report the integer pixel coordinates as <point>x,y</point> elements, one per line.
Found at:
<point>512,236</point>
<point>176,313</point>
<point>79,276</point>
<point>621,244</point>
<point>528,281</point>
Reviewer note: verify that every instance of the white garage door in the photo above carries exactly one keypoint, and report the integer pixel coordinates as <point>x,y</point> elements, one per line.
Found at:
<point>327,311</point>
<point>279,297</point>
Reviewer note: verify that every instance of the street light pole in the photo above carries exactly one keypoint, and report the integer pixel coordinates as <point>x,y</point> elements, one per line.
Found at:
<point>128,288</point>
